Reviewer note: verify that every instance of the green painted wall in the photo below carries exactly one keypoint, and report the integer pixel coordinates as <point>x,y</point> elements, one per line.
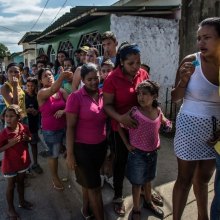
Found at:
<point>101,25</point>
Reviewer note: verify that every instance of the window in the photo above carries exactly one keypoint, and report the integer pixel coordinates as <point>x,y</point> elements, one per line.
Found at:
<point>41,51</point>
<point>52,56</point>
<point>94,39</point>
<point>67,47</point>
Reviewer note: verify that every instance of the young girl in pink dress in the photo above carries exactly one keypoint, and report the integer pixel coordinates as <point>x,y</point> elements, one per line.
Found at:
<point>142,144</point>
<point>14,140</point>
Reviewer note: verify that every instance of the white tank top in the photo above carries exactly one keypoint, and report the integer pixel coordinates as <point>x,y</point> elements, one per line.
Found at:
<point>201,96</point>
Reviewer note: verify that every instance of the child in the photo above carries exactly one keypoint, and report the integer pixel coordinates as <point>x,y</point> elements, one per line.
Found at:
<point>33,119</point>
<point>68,65</point>
<point>14,143</point>
<point>143,144</point>
<point>106,67</point>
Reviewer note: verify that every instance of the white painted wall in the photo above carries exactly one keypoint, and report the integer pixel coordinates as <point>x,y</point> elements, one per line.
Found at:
<point>158,39</point>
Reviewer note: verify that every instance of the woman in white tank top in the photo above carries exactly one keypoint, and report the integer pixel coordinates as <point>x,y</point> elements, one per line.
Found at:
<point>197,84</point>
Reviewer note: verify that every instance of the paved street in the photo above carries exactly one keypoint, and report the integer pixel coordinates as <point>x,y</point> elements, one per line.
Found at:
<point>50,204</point>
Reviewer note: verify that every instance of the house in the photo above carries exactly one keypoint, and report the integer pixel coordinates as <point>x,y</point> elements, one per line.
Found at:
<point>17,57</point>
<point>155,28</point>
<point>29,49</point>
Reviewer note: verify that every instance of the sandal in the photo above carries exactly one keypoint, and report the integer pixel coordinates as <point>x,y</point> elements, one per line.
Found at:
<point>119,208</point>
<point>58,188</point>
<point>86,217</point>
<point>157,199</point>
<point>135,213</point>
<point>26,205</point>
<point>154,209</point>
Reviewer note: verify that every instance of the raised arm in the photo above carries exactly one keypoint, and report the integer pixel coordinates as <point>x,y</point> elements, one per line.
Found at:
<point>45,93</point>
<point>76,79</point>
<point>183,75</point>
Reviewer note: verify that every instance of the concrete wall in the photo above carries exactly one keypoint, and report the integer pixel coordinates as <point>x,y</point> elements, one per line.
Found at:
<point>158,40</point>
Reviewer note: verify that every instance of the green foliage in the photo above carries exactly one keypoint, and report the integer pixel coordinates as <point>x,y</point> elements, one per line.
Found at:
<point>4,51</point>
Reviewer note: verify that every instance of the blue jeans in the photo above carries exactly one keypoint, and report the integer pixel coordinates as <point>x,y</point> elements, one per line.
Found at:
<point>215,207</point>
<point>141,166</point>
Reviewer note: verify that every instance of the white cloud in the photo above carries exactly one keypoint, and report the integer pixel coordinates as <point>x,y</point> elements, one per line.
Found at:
<point>20,16</point>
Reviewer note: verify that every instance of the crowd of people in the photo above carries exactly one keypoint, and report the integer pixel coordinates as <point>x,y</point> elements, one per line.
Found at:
<point>94,107</point>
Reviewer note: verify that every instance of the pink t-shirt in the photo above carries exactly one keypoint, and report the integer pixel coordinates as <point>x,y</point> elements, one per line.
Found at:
<point>90,128</point>
<point>146,136</point>
<point>48,109</point>
<point>123,90</point>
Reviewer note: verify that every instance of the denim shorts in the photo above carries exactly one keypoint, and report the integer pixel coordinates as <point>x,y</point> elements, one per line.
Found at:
<point>54,140</point>
<point>141,166</point>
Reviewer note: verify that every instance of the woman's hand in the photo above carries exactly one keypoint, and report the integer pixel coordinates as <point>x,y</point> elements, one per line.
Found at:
<point>67,74</point>
<point>25,137</point>
<point>130,147</point>
<point>59,114</point>
<point>127,120</point>
<point>71,163</point>
<point>185,72</point>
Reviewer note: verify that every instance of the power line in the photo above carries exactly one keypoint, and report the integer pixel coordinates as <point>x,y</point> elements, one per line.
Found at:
<point>58,12</point>
<point>13,30</point>
<point>40,15</point>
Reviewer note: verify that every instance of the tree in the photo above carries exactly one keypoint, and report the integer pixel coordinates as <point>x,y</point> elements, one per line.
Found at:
<point>193,12</point>
<point>4,51</point>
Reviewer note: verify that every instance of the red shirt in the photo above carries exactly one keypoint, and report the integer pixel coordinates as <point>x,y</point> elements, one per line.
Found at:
<point>17,157</point>
<point>90,128</point>
<point>123,89</point>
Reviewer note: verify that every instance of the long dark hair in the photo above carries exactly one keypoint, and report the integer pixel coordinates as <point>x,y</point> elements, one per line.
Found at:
<point>214,21</point>
<point>57,64</point>
<point>152,87</point>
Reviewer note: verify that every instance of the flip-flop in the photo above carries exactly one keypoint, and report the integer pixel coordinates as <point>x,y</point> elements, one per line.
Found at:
<point>27,205</point>
<point>84,216</point>
<point>59,188</point>
<point>119,209</point>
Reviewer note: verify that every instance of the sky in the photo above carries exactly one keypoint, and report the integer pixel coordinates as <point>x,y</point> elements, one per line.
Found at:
<point>20,16</point>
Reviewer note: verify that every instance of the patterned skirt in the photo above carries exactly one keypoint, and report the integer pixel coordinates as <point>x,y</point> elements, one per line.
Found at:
<point>192,134</point>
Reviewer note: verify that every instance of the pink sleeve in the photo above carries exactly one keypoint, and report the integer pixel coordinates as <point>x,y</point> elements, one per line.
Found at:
<point>73,104</point>
<point>108,86</point>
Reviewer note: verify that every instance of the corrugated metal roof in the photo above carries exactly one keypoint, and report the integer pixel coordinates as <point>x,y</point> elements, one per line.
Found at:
<point>29,36</point>
<point>82,14</point>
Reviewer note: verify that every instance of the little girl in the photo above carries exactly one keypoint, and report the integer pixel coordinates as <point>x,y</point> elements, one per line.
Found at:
<point>14,143</point>
<point>142,144</point>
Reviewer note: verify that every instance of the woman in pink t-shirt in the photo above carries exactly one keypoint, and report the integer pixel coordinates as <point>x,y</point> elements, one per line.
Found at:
<point>142,144</point>
<point>52,100</point>
<point>86,139</point>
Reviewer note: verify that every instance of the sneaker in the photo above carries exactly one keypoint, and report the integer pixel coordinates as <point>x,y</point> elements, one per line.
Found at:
<point>37,169</point>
